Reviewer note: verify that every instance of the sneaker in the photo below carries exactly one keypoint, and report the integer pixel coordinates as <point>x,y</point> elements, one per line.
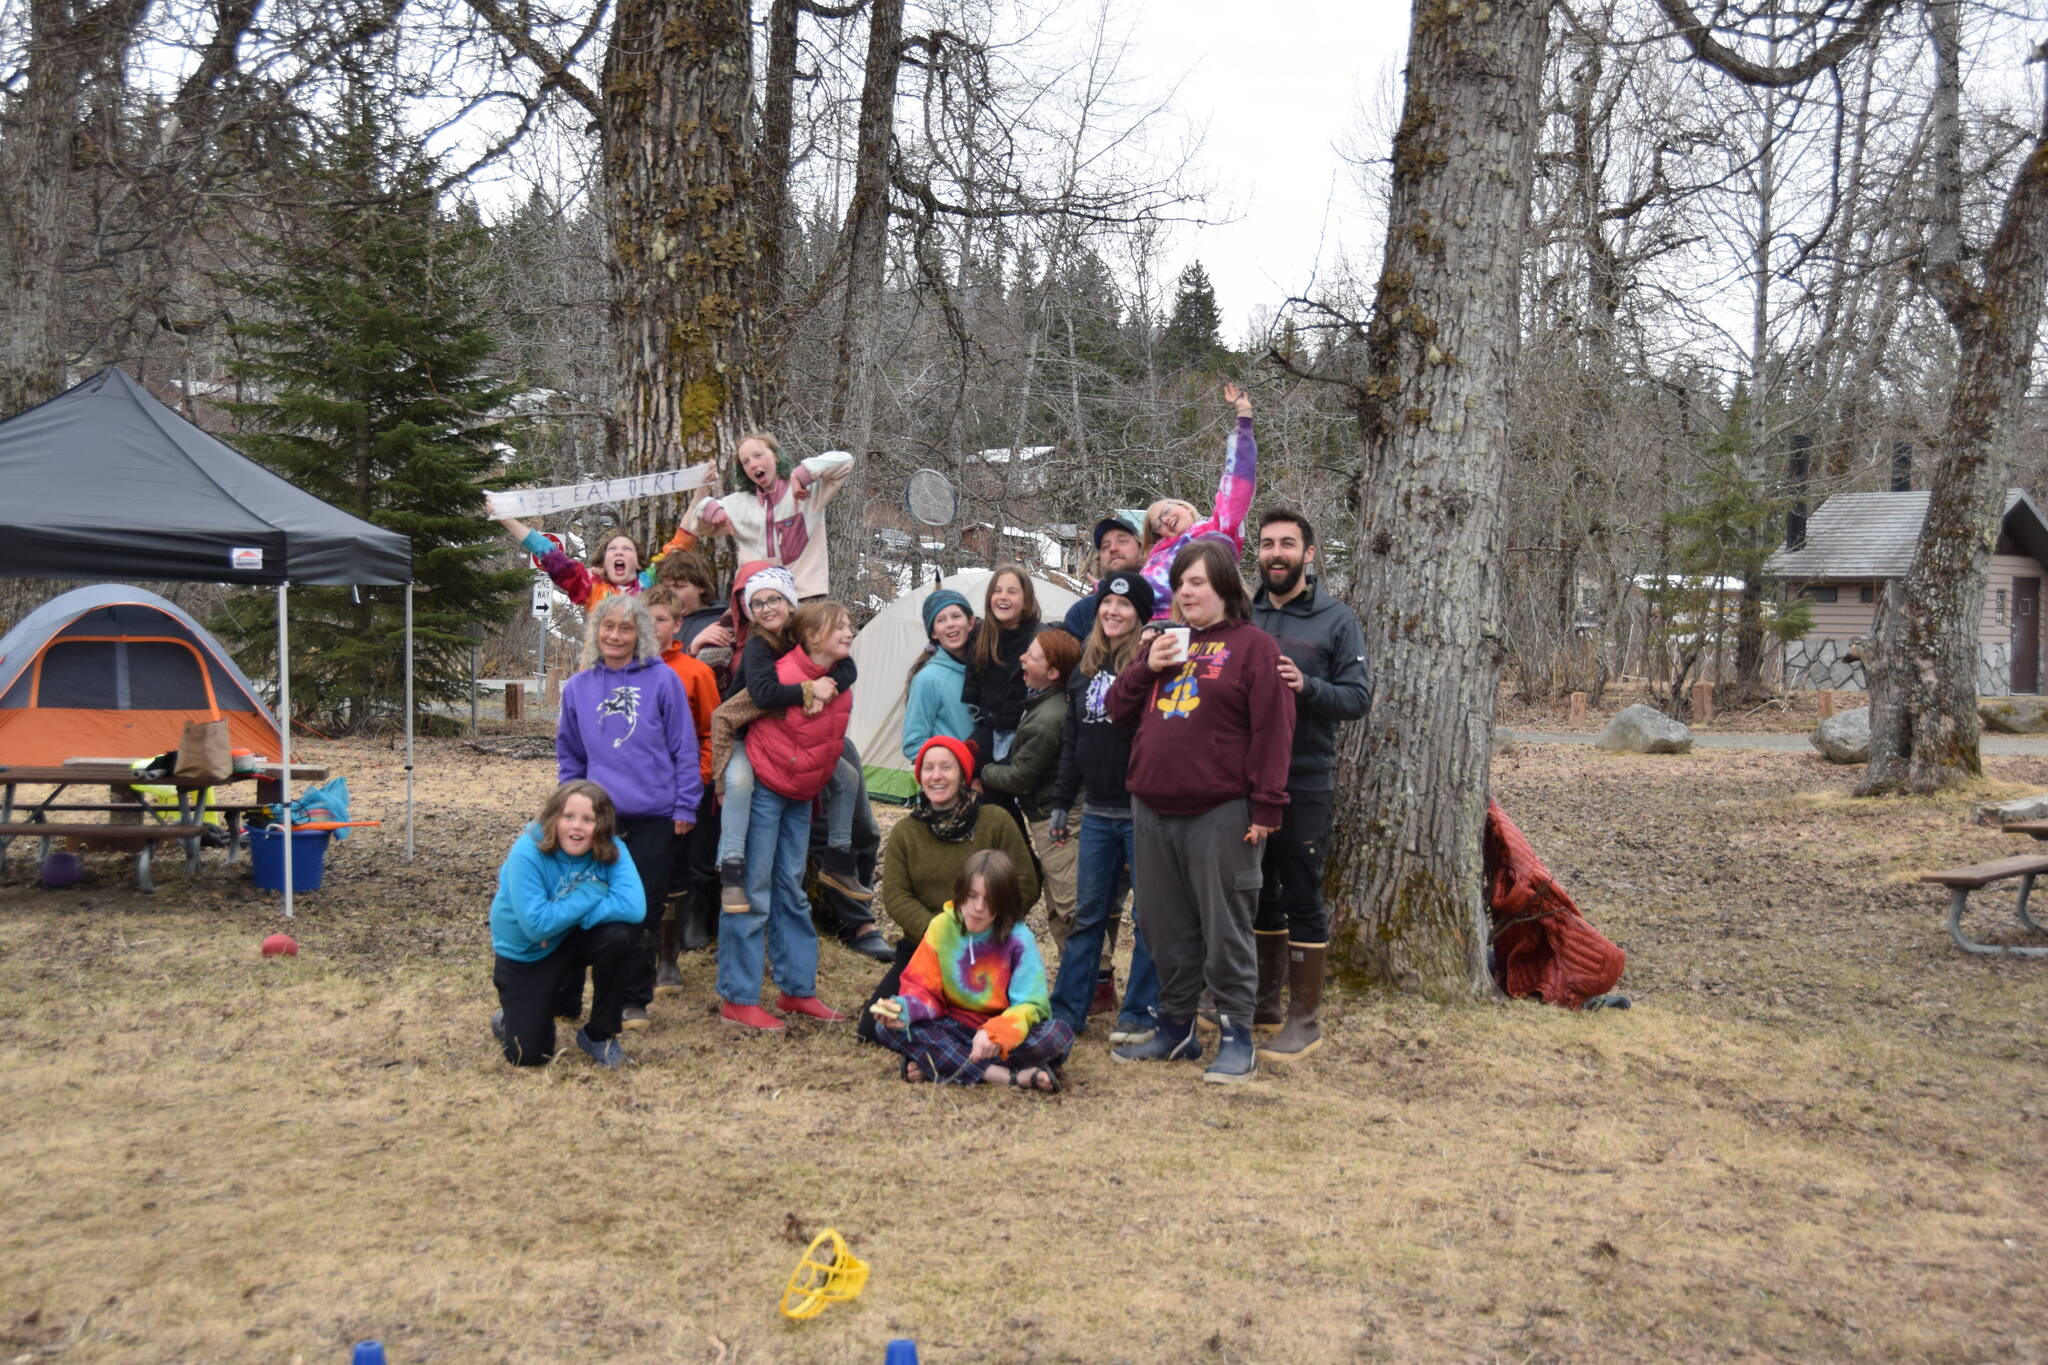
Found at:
<point>606,1054</point>
<point>635,1018</point>
<point>732,888</point>
<point>498,1025</point>
<point>749,1016</point>
<point>1130,1030</point>
<point>810,1006</point>
<point>668,979</point>
<point>871,944</point>
<point>838,870</point>
<point>1172,1041</point>
<point>1236,1059</point>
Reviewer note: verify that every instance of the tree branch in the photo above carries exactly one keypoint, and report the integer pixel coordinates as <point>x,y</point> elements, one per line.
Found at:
<point>1699,36</point>
<point>552,70</point>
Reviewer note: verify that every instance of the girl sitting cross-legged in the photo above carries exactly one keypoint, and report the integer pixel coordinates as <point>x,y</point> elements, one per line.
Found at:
<point>972,1006</point>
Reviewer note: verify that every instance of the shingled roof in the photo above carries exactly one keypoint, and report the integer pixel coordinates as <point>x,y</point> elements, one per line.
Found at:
<point>1870,536</point>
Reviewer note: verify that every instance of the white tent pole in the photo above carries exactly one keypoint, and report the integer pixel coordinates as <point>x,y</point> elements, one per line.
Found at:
<point>408,722</point>
<point>284,720</point>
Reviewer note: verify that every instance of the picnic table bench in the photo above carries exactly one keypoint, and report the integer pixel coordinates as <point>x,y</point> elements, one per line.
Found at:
<point>186,823</point>
<point>1961,881</point>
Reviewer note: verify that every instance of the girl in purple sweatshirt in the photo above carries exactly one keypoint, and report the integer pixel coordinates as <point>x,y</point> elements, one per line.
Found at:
<point>626,725</point>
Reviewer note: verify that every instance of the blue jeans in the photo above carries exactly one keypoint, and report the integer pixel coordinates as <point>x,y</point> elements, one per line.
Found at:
<point>841,795</point>
<point>778,840</point>
<point>734,814</point>
<point>1106,852</point>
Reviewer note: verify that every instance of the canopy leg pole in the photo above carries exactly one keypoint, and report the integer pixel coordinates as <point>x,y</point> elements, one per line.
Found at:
<point>408,720</point>
<point>284,722</point>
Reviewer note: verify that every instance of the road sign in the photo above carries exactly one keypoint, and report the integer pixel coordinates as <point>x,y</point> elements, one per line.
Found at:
<point>558,543</point>
<point>543,599</point>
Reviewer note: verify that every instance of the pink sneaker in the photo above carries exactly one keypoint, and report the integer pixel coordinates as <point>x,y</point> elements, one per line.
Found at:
<point>810,1006</point>
<point>751,1016</point>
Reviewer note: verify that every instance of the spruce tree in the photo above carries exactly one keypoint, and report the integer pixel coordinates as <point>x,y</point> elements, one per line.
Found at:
<point>365,365</point>
<point>1193,338</point>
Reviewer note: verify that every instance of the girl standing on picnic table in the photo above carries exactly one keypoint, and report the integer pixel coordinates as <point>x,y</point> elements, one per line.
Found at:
<point>1208,781</point>
<point>793,752</point>
<point>626,725</point>
<point>777,509</point>
<point>1171,525</point>
<point>972,1006</point>
<point>566,903</point>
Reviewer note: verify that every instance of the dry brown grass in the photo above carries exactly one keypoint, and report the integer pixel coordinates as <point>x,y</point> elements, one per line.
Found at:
<point>1818,1136</point>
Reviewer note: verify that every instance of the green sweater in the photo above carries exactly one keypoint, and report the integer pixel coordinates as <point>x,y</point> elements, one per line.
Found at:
<point>1033,768</point>
<point>918,869</point>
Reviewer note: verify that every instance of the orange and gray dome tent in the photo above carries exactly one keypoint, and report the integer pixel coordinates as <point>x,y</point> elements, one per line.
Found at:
<point>113,671</point>
<point>105,483</point>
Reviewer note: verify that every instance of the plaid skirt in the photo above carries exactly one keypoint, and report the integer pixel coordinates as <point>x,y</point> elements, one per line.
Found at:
<point>941,1048</point>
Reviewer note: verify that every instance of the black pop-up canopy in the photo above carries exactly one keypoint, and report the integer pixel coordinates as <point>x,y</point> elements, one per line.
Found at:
<point>103,482</point>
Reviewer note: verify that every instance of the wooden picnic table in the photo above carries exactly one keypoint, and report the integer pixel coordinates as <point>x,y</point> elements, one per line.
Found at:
<point>30,818</point>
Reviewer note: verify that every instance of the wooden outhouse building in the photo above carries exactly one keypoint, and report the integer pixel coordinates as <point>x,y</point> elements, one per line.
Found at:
<point>1840,559</point>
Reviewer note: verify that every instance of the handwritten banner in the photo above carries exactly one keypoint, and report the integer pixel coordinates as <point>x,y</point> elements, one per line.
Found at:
<point>533,502</point>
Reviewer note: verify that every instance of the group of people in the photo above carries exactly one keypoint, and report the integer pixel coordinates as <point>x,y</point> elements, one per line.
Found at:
<point>1173,737</point>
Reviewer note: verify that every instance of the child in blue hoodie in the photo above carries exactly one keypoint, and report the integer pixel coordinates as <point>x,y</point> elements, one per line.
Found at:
<point>566,901</point>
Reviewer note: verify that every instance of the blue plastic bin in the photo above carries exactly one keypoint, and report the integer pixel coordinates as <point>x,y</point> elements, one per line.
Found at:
<point>309,858</point>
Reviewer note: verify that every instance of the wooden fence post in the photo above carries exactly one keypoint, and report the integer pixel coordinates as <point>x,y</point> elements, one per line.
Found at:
<point>515,701</point>
<point>1702,702</point>
<point>1827,703</point>
<point>1578,713</point>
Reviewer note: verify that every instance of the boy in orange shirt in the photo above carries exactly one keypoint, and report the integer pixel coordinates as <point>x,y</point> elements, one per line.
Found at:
<point>701,687</point>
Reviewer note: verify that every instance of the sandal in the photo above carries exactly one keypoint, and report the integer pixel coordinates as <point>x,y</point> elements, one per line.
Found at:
<point>1052,1079</point>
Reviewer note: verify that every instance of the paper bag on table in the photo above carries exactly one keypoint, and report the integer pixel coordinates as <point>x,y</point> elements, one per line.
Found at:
<point>204,754</point>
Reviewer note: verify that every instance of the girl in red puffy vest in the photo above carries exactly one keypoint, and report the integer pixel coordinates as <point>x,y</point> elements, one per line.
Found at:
<point>793,752</point>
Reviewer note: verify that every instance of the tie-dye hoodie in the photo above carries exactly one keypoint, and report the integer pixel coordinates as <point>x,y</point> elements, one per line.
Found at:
<point>990,984</point>
<point>1226,522</point>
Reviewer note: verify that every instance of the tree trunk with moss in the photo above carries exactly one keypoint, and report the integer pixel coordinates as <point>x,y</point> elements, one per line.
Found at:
<point>677,80</point>
<point>1405,870</point>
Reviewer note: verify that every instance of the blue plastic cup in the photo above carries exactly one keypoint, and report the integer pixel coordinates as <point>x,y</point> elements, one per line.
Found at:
<point>902,1351</point>
<point>372,1353</point>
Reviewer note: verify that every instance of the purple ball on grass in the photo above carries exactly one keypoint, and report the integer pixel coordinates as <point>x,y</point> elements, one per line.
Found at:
<point>62,869</point>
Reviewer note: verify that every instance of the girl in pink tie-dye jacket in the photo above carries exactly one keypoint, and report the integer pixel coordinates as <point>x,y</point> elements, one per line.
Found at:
<point>1170,523</point>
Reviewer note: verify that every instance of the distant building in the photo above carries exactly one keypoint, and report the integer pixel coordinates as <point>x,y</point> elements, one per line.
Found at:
<point>1840,559</point>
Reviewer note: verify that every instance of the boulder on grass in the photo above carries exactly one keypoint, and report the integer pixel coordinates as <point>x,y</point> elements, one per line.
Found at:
<point>2011,812</point>
<point>1643,729</point>
<point>1844,737</point>
<point>2014,715</point>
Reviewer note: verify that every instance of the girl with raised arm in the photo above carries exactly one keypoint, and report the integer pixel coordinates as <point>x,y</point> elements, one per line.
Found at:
<point>1171,525</point>
<point>777,511</point>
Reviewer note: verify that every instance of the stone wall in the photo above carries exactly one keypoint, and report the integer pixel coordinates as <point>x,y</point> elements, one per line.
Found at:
<point>1818,663</point>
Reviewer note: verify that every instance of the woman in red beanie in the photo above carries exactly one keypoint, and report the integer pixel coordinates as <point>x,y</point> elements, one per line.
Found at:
<point>947,825</point>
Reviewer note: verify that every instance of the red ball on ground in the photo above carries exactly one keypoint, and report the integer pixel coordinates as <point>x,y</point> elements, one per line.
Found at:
<point>278,944</point>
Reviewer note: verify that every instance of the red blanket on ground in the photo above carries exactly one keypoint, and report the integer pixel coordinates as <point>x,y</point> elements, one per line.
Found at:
<point>1543,945</point>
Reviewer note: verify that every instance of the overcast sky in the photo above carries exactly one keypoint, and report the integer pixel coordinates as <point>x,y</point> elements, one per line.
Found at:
<point>1279,84</point>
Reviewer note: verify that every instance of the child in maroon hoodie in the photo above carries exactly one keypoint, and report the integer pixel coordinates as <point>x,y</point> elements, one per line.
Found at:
<point>1208,780</point>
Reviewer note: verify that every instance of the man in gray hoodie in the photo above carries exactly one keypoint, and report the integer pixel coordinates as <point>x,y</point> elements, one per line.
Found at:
<point>1323,664</point>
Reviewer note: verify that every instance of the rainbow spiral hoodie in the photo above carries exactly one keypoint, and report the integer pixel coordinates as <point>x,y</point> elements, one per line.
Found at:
<point>997,985</point>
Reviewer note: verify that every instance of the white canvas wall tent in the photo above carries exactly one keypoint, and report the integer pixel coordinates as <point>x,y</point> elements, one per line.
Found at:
<point>884,651</point>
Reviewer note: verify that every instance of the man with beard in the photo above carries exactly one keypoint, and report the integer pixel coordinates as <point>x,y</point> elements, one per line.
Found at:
<point>1323,662</point>
<point>1117,550</point>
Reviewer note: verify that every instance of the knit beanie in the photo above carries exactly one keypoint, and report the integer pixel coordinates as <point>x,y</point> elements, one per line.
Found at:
<point>960,748</point>
<point>1132,587</point>
<point>775,579</point>
<point>938,602</point>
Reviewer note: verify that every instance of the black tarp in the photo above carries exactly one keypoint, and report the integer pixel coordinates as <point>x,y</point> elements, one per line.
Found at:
<point>104,482</point>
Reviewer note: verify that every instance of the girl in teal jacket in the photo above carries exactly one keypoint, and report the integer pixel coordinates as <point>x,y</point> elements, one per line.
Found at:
<point>932,703</point>
<point>568,899</point>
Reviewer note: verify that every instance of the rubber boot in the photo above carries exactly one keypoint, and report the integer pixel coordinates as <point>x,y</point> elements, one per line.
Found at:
<point>668,976</point>
<point>1235,1059</point>
<point>1272,945</point>
<point>1301,1034</point>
